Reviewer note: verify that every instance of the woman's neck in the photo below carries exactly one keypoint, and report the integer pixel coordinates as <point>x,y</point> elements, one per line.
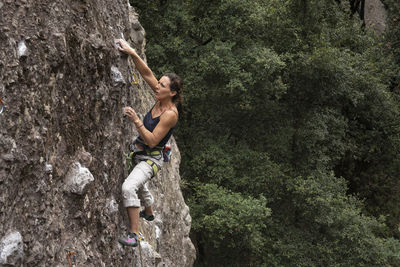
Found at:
<point>165,104</point>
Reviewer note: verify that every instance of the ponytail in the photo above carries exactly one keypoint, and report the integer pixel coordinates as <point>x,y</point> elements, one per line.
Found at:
<point>176,85</point>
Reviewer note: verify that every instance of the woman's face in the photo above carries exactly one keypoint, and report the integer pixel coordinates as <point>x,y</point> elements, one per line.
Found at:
<point>163,89</point>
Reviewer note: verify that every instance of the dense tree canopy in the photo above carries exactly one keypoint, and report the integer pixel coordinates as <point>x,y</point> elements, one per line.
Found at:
<point>290,132</point>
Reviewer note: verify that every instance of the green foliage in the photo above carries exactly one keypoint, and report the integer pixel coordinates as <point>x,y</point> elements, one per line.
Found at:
<point>276,91</point>
<point>239,168</point>
<point>392,42</point>
<point>317,224</point>
<point>229,222</point>
<point>335,99</point>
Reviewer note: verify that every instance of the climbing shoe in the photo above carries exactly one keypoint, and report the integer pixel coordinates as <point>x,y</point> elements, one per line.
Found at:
<point>149,218</point>
<point>131,240</point>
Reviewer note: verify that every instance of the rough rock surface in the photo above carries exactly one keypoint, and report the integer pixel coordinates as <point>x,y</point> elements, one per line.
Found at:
<point>375,15</point>
<point>64,84</point>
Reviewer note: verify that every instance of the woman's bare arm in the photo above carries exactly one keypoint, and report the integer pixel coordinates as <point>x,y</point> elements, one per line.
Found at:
<point>167,120</point>
<point>141,66</point>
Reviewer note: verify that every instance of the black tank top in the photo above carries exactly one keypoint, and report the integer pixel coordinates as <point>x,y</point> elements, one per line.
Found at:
<point>150,123</point>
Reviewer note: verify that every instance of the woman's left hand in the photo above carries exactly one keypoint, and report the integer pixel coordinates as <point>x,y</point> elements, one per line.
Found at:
<point>123,46</point>
<point>130,112</point>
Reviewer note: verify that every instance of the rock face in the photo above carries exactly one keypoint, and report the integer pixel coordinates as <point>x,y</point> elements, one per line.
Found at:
<point>375,15</point>
<point>62,139</point>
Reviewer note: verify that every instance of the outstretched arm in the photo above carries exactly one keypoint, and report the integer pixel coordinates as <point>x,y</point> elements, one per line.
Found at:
<point>142,67</point>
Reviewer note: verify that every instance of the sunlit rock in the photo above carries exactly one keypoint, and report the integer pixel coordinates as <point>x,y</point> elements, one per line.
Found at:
<point>11,249</point>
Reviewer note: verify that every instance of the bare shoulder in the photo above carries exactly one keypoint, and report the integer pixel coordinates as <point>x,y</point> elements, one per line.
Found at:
<point>170,116</point>
<point>173,110</point>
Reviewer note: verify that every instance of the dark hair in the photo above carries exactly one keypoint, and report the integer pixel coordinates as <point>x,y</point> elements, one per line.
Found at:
<point>176,84</point>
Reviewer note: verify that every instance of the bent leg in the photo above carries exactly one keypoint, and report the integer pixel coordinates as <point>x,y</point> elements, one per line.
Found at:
<point>146,198</point>
<point>134,183</point>
<point>133,215</point>
<point>133,188</point>
<point>147,201</point>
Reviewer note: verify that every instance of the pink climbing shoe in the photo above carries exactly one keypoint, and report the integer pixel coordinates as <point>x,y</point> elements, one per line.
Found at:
<point>131,240</point>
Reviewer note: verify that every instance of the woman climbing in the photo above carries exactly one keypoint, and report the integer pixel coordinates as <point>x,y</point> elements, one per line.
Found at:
<point>154,131</point>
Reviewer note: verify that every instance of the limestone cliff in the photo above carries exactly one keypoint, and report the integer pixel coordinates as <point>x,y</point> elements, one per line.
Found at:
<point>375,15</point>
<point>62,139</point>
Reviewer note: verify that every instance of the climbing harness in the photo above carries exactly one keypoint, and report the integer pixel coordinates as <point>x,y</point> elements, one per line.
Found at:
<point>1,106</point>
<point>129,158</point>
<point>151,152</point>
<point>167,153</point>
<point>165,150</point>
<point>153,165</point>
<point>72,263</point>
<point>155,152</point>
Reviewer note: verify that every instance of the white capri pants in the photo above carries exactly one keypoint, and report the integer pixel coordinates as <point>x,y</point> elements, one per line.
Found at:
<point>134,189</point>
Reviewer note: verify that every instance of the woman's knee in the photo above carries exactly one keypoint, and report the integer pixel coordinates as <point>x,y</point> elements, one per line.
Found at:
<point>128,186</point>
<point>129,195</point>
<point>148,200</point>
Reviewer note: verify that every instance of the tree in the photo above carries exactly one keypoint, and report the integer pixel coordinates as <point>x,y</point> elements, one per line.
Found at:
<point>289,119</point>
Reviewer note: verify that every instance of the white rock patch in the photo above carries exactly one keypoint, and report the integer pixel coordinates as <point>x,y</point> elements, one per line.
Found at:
<point>112,206</point>
<point>11,248</point>
<point>78,178</point>
<point>117,76</point>
<point>22,49</point>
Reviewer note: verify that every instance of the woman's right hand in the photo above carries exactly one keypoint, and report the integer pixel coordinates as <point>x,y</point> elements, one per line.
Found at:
<point>131,113</point>
<point>123,46</point>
